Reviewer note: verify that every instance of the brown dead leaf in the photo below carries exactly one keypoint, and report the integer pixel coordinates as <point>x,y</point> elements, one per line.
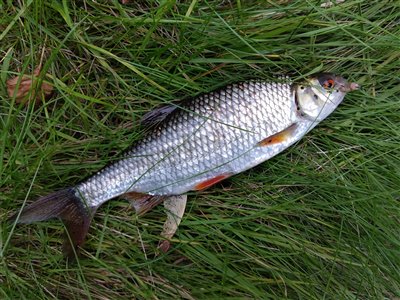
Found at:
<point>28,88</point>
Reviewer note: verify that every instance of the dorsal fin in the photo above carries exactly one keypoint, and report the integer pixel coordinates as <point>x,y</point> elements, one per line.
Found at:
<point>157,115</point>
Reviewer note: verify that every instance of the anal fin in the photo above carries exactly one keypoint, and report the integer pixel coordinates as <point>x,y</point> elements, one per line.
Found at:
<point>142,203</point>
<point>174,206</point>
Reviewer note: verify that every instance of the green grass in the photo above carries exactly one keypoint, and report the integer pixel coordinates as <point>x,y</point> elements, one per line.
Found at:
<point>319,221</point>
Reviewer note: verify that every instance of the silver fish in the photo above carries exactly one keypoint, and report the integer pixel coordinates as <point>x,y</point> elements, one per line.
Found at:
<point>195,144</point>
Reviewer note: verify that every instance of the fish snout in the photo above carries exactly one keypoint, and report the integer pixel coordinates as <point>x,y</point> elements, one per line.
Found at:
<point>349,87</point>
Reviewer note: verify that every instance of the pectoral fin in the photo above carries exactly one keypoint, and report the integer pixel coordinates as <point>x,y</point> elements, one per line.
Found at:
<point>175,207</point>
<point>279,137</point>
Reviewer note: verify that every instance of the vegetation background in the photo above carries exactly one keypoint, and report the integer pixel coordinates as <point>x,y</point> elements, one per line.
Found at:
<point>319,221</point>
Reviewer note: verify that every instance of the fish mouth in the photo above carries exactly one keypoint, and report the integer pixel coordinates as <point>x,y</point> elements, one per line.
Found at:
<point>344,86</point>
<point>349,87</point>
<point>337,82</point>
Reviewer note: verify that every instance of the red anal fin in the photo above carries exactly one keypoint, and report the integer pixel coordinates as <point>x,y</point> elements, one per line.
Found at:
<point>209,182</point>
<point>279,137</point>
<point>135,196</point>
<point>143,206</point>
<point>142,203</point>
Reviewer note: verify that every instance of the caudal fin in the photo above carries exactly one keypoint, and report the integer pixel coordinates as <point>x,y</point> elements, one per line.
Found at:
<point>69,208</point>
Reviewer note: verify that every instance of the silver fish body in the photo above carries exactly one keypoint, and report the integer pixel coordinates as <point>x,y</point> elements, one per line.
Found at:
<point>211,137</point>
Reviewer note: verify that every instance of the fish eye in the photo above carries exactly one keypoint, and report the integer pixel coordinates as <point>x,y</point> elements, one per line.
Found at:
<point>328,84</point>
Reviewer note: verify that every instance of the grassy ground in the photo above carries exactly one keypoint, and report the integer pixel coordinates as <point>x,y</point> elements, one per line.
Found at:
<point>319,221</point>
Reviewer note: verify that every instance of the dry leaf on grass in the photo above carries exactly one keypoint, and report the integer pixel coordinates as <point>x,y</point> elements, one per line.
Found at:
<point>328,4</point>
<point>28,88</point>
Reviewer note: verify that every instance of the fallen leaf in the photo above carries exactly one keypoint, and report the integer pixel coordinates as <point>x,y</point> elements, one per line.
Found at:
<point>328,4</point>
<point>28,88</point>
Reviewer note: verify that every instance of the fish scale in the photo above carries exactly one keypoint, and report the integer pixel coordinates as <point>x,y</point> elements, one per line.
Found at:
<point>200,140</point>
<point>195,145</point>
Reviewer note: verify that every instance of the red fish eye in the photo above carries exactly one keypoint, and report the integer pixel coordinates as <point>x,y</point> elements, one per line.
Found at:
<point>328,84</point>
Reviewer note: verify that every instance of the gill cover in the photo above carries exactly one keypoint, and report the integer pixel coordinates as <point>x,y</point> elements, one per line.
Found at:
<point>319,96</point>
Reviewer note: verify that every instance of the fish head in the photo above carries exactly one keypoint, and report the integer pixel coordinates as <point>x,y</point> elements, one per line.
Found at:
<point>320,95</point>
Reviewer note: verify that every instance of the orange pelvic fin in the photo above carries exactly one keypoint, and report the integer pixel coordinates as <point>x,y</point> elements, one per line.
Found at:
<point>209,182</point>
<point>279,137</point>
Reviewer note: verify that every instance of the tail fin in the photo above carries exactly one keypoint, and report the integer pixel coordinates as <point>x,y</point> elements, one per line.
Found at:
<point>69,208</point>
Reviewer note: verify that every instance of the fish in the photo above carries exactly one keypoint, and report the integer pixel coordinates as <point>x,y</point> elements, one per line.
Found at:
<point>191,146</point>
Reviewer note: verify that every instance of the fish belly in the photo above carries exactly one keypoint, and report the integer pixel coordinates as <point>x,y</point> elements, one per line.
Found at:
<point>208,138</point>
